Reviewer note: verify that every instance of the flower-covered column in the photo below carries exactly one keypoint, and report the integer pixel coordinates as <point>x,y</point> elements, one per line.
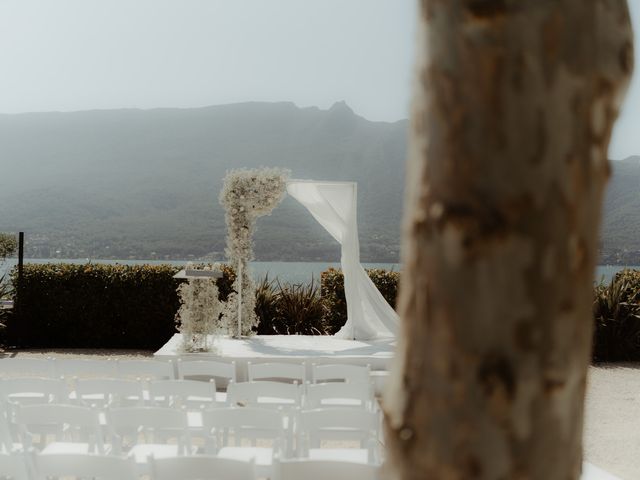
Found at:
<point>247,194</point>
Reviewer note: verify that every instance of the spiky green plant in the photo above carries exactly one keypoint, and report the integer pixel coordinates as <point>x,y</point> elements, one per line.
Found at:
<point>290,309</point>
<point>266,306</point>
<point>300,309</point>
<point>616,311</point>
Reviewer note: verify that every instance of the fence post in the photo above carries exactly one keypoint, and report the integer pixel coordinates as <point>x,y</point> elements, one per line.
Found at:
<point>20,255</point>
<point>18,293</point>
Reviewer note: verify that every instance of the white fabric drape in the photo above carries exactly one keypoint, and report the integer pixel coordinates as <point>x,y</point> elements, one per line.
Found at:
<point>333,205</point>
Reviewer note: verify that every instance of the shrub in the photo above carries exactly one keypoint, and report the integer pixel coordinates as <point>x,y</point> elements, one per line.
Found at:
<point>96,306</point>
<point>335,304</point>
<point>266,309</point>
<point>8,245</point>
<point>289,309</point>
<point>616,311</point>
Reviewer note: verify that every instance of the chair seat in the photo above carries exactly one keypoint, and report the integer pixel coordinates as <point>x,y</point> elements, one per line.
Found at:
<point>141,452</point>
<point>341,402</point>
<point>263,456</point>
<point>71,447</point>
<point>15,447</point>
<point>357,455</point>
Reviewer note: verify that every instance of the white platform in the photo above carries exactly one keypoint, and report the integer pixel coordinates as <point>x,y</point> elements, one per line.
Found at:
<point>289,348</point>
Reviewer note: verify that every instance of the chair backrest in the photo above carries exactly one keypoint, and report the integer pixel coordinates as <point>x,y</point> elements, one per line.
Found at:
<point>200,467</point>
<point>77,465</point>
<point>149,369</point>
<point>182,393</point>
<point>221,372</point>
<point>283,372</point>
<point>324,469</point>
<point>147,425</point>
<point>72,367</point>
<point>338,424</point>
<point>264,394</point>
<point>66,422</point>
<point>29,390</point>
<point>115,392</point>
<point>340,373</point>
<point>13,466</point>
<point>339,394</point>
<point>244,423</point>
<point>25,367</point>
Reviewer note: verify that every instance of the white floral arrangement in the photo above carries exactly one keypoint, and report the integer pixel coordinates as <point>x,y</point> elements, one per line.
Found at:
<point>200,314</point>
<point>246,195</point>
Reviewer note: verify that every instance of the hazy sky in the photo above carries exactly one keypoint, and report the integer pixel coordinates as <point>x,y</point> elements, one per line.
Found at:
<point>85,54</point>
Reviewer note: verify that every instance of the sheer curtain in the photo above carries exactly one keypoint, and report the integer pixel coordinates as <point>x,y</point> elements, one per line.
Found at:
<point>333,205</point>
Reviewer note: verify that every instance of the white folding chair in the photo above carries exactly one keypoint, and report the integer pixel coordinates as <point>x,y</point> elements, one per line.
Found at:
<point>246,425</point>
<point>190,394</point>
<point>86,465</point>
<point>304,469</point>
<point>75,429</point>
<point>282,372</point>
<point>26,367</point>
<point>265,394</point>
<point>147,369</point>
<point>30,390</point>
<point>221,372</point>
<point>340,373</point>
<point>13,466</point>
<point>330,425</point>
<point>339,394</point>
<point>72,367</point>
<point>144,431</point>
<point>200,467</point>
<point>108,392</point>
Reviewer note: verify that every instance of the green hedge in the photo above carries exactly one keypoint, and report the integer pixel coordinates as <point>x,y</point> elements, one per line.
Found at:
<point>332,291</point>
<point>97,306</point>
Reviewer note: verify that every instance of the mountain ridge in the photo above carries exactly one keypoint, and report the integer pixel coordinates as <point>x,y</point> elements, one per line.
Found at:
<point>144,183</point>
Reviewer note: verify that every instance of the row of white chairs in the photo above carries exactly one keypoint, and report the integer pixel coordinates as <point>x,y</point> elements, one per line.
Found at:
<point>115,392</point>
<point>40,467</point>
<point>115,425</point>
<point>181,369</point>
<point>237,433</point>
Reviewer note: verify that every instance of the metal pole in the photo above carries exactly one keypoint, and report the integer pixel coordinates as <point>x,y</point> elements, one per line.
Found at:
<point>239,299</point>
<point>18,292</point>
<point>20,255</point>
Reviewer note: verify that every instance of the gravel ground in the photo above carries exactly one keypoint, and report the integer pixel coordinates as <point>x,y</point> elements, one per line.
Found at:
<point>612,418</point>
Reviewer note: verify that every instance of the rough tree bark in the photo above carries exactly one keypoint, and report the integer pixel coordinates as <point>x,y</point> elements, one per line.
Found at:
<point>513,110</point>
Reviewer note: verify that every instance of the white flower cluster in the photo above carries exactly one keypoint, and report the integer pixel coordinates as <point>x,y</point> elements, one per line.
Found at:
<point>200,313</point>
<point>246,195</point>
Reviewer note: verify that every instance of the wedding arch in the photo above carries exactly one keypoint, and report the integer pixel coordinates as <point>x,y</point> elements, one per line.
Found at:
<point>249,194</point>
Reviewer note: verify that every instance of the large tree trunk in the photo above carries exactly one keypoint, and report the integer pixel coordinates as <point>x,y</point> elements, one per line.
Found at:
<point>513,110</point>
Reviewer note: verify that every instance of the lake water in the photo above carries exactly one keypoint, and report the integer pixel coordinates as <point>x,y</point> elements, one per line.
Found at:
<point>292,272</point>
